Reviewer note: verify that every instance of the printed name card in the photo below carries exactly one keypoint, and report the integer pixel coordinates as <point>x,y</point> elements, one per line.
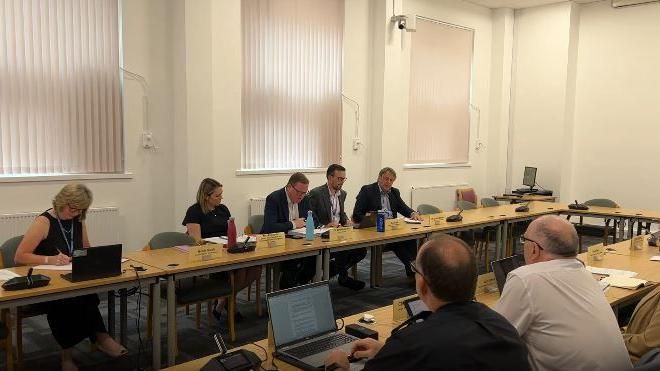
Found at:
<point>204,252</point>
<point>394,224</point>
<point>436,219</point>
<point>399,312</point>
<point>637,242</point>
<point>341,234</point>
<point>486,283</point>
<point>271,240</point>
<point>595,253</point>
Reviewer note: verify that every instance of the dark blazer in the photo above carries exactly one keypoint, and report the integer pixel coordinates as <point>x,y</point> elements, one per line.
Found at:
<point>458,336</point>
<point>319,199</point>
<point>276,212</point>
<point>368,200</point>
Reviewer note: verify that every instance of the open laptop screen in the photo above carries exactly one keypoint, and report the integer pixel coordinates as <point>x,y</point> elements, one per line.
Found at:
<point>301,312</point>
<point>502,267</point>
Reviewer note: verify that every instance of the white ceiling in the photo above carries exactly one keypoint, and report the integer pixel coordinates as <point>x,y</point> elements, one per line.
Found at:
<point>517,4</point>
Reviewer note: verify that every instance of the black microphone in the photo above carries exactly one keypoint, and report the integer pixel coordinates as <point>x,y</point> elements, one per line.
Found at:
<point>29,276</point>
<point>456,217</point>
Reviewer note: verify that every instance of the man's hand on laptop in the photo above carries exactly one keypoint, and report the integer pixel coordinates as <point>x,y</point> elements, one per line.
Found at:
<point>366,348</point>
<point>337,360</point>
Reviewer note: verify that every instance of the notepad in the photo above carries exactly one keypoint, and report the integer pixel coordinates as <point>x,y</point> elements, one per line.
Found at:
<point>624,282</point>
<point>6,274</point>
<point>610,272</point>
<point>302,231</point>
<point>412,221</point>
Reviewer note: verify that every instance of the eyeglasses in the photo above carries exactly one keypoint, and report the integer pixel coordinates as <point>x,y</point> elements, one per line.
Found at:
<point>300,193</point>
<point>523,239</point>
<point>413,266</point>
<point>75,209</point>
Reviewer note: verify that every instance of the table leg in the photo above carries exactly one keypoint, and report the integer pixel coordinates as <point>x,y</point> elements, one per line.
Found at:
<point>505,239</point>
<point>155,325</point>
<point>326,264</point>
<point>379,256</point>
<point>123,316</point>
<point>319,267</point>
<point>372,266</point>
<point>269,277</point>
<point>498,240</point>
<point>111,313</point>
<point>171,324</point>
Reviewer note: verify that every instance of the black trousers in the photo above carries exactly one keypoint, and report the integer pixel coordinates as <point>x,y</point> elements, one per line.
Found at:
<point>297,272</point>
<point>74,319</point>
<point>343,260</point>
<point>406,251</point>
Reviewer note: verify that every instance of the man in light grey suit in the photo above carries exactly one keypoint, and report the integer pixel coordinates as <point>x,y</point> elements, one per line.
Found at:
<point>327,203</point>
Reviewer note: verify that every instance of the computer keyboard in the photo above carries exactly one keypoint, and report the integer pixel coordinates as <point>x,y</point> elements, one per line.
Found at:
<point>320,345</point>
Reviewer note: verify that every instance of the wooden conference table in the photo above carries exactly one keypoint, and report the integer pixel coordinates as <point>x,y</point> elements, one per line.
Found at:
<point>621,258</point>
<point>176,266</point>
<point>59,288</point>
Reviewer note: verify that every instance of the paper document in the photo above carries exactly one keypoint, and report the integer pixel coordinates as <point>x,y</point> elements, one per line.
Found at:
<point>48,267</point>
<point>624,282</point>
<point>655,258</point>
<point>301,231</point>
<point>6,274</point>
<point>611,272</point>
<point>412,221</point>
<point>223,239</point>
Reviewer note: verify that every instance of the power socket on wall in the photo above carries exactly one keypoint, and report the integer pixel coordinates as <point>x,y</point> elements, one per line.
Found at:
<point>148,140</point>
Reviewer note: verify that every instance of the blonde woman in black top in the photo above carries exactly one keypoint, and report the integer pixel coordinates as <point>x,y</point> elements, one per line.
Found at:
<point>51,239</point>
<point>208,217</point>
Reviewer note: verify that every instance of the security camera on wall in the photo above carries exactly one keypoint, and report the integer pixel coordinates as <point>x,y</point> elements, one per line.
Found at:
<point>406,23</point>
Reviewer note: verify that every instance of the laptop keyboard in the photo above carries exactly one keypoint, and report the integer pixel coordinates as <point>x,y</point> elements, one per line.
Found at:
<point>320,345</point>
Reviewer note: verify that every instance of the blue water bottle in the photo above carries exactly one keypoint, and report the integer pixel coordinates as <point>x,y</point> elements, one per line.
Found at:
<point>309,226</point>
<point>380,221</point>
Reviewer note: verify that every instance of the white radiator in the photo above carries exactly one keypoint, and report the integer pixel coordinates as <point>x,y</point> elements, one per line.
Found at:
<point>104,225</point>
<point>257,206</point>
<point>440,196</point>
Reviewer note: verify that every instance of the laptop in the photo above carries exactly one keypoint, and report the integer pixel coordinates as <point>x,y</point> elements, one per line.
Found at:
<point>415,306</point>
<point>368,221</point>
<point>304,326</point>
<point>95,262</point>
<point>502,267</point>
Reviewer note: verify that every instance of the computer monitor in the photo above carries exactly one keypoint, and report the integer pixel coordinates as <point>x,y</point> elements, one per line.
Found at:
<point>529,178</point>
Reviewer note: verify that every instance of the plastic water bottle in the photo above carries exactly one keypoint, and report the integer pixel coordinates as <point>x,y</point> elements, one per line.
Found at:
<point>309,226</point>
<point>231,233</point>
<point>380,221</point>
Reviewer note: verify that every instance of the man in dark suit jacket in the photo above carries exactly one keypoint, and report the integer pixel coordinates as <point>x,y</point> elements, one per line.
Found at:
<point>457,333</point>
<point>330,211</point>
<point>382,196</point>
<point>286,209</point>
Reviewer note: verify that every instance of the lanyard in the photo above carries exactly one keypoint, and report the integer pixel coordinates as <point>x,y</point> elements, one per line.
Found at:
<point>69,246</point>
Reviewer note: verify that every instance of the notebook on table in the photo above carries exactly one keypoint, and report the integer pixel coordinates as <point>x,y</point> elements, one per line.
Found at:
<point>304,326</point>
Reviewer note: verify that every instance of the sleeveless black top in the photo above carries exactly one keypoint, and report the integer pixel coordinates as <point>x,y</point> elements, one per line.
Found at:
<point>55,242</point>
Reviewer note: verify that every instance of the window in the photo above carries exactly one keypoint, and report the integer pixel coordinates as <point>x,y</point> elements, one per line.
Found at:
<point>438,111</point>
<point>292,71</point>
<point>60,102</point>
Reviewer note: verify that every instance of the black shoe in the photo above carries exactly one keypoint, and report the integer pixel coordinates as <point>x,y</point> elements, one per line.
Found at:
<point>222,317</point>
<point>351,283</point>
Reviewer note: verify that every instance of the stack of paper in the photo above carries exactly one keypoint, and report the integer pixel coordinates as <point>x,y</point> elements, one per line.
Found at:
<point>412,221</point>
<point>6,274</point>
<point>624,282</point>
<point>301,231</point>
<point>610,272</point>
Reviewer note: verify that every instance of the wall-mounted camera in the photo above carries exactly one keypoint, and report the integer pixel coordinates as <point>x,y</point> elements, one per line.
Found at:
<point>405,22</point>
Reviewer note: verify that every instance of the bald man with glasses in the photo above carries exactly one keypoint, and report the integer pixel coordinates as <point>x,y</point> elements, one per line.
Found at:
<point>557,307</point>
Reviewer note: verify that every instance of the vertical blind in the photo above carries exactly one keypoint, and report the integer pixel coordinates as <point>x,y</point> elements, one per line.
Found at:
<point>60,108</point>
<point>292,71</point>
<point>438,110</point>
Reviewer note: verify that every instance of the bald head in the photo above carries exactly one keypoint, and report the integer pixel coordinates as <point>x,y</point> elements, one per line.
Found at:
<point>555,235</point>
<point>449,268</point>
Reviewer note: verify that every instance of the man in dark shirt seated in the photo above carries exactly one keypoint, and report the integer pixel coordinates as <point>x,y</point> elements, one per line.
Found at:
<point>457,334</point>
<point>382,196</point>
<point>327,203</point>
<point>286,209</point>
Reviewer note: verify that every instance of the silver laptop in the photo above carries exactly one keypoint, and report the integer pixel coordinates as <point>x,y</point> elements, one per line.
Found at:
<point>304,326</point>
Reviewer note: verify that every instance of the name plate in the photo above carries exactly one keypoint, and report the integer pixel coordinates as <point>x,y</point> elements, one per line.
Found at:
<point>637,242</point>
<point>436,219</point>
<point>399,312</point>
<point>394,224</point>
<point>341,234</point>
<point>271,240</point>
<point>204,252</point>
<point>486,283</point>
<point>595,253</point>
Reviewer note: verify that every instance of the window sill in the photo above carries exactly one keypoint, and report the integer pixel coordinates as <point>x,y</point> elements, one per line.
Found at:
<point>61,177</point>
<point>437,165</point>
<point>278,171</point>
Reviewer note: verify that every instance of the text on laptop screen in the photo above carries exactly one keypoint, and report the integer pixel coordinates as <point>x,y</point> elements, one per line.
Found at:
<point>301,313</point>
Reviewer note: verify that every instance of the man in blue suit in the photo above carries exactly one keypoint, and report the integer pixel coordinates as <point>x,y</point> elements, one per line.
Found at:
<point>286,209</point>
<point>382,196</point>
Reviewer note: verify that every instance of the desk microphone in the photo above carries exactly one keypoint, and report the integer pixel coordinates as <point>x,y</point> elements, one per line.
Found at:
<point>26,282</point>
<point>456,217</point>
<point>523,208</point>
<point>577,206</point>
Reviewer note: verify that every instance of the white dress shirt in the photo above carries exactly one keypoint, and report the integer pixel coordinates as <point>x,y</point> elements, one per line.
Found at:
<point>335,207</point>
<point>293,210</point>
<point>562,315</point>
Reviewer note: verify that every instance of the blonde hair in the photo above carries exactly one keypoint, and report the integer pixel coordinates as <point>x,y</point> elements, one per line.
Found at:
<point>74,195</point>
<point>206,189</point>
